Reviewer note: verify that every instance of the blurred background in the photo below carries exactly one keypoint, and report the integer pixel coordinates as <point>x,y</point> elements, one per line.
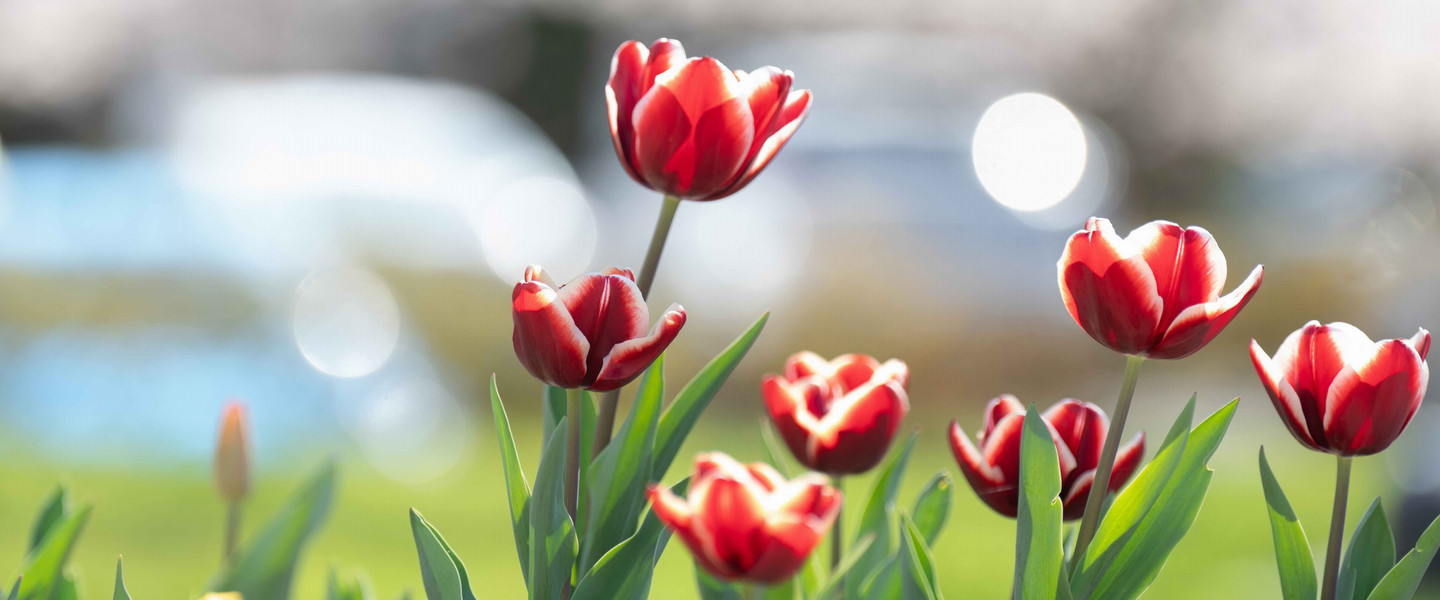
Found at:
<point>320,206</point>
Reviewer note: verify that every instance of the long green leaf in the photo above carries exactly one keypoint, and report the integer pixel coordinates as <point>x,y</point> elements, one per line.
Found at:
<point>616,575</point>
<point>774,450</point>
<point>465,590</point>
<point>1292,549</point>
<point>266,567</point>
<point>120,592</point>
<point>552,534</point>
<point>880,517</point>
<point>932,506</point>
<point>44,568</point>
<point>56,508</point>
<point>354,587</point>
<point>1139,560</point>
<point>516,487</point>
<point>619,474</point>
<point>919,577</point>
<point>831,589</point>
<point>438,571</point>
<point>552,408</point>
<point>682,414</point>
<point>1039,536</point>
<point>1370,556</point>
<point>1402,580</point>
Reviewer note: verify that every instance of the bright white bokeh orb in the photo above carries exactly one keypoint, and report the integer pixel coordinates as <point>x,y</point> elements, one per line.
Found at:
<point>538,220</point>
<point>346,322</point>
<point>1029,151</point>
<point>412,430</point>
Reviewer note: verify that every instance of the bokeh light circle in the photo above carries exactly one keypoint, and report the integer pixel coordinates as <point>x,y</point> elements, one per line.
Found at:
<point>346,322</point>
<point>537,220</point>
<point>412,430</point>
<point>1029,151</point>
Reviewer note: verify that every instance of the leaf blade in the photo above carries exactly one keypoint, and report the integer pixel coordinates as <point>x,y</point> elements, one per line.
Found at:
<point>1292,549</point>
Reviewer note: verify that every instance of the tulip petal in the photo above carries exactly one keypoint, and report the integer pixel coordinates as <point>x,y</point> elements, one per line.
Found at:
<point>1077,492</point>
<point>805,364</point>
<point>998,408</point>
<point>1188,266</point>
<point>622,92</point>
<point>785,402</point>
<point>733,519</point>
<point>1108,290</point>
<point>1283,395</point>
<point>851,371</point>
<point>546,339</point>
<point>854,436</point>
<point>1081,426</point>
<point>608,309</point>
<point>988,482</point>
<point>792,115</point>
<point>765,475</point>
<point>631,357</point>
<point>1195,326</point>
<point>1421,343</point>
<point>678,516</point>
<point>665,54</point>
<point>694,129</point>
<point>1371,403</point>
<point>1126,461</point>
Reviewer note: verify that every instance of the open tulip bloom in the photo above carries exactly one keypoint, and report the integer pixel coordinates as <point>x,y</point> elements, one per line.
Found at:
<point>1078,428</point>
<point>746,522</point>
<point>690,127</point>
<point>591,332</point>
<point>840,416</point>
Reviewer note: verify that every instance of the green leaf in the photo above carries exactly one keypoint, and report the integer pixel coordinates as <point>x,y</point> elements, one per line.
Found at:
<point>831,589</point>
<point>516,488</point>
<point>1370,555</point>
<point>618,476</point>
<point>1039,536</point>
<point>879,516</point>
<point>680,418</point>
<point>1139,559</point>
<point>615,576</point>
<point>437,570</point>
<point>1402,580</point>
<point>43,571</point>
<point>1292,549</point>
<point>932,506</point>
<point>588,417</point>
<point>56,508</point>
<point>919,578</point>
<point>120,592</point>
<point>552,534</point>
<point>266,567</point>
<point>68,587</point>
<point>552,408</point>
<point>465,591</point>
<point>354,587</point>
<point>774,450</point>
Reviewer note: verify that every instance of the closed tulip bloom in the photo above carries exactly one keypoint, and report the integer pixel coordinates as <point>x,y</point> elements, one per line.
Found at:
<point>1079,430</point>
<point>1339,392</point>
<point>232,454</point>
<point>591,332</point>
<point>691,128</point>
<point>1154,293</point>
<point>838,416</point>
<point>746,522</point>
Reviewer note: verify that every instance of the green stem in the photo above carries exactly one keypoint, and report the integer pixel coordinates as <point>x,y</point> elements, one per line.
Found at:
<point>572,452</point>
<point>837,535</point>
<point>232,531</point>
<point>749,591</point>
<point>1337,527</point>
<point>605,419</point>
<point>1101,484</point>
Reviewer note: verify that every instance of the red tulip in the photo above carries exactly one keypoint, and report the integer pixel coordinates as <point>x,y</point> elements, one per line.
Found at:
<point>746,522</point>
<point>1079,429</point>
<point>840,416</point>
<point>1153,293</point>
<point>689,127</point>
<point>1341,393</point>
<point>591,332</point>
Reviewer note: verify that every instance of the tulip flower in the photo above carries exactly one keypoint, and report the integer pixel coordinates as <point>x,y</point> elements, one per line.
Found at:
<point>1154,293</point>
<point>591,332</point>
<point>690,127</point>
<point>1339,392</point>
<point>1079,430</point>
<point>232,454</point>
<point>746,522</point>
<point>840,416</point>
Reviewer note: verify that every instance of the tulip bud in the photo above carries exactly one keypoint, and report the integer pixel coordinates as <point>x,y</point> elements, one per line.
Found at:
<point>1079,430</point>
<point>590,333</point>
<point>746,522</point>
<point>690,127</point>
<point>232,455</point>
<point>1339,392</point>
<point>839,416</point>
<point>1154,293</point>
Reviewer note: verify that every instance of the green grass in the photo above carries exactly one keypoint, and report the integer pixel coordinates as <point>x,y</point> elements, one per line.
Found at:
<point>168,524</point>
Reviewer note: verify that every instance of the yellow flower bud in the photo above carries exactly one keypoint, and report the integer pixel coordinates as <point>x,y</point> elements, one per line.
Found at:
<point>232,459</point>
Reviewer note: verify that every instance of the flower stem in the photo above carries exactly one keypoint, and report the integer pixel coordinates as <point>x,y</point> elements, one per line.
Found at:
<point>1100,486</point>
<point>1337,527</point>
<point>605,419</point>
<point>232,531</point>
<point>572,451</point>
<point>837,534</point>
